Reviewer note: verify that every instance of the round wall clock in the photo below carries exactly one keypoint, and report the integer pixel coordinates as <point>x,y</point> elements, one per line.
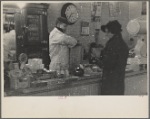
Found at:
<point>69,11</point>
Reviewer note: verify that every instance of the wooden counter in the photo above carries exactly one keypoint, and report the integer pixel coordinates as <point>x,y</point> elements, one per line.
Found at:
<point>74,86</point>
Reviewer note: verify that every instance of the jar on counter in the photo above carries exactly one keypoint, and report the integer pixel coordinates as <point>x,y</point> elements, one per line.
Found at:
<point>14,78</point>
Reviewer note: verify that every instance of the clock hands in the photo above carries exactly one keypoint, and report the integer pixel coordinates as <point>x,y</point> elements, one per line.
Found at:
<point>70,15</point>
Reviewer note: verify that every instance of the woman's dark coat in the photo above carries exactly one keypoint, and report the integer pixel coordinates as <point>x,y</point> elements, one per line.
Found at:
<point>113,60</point>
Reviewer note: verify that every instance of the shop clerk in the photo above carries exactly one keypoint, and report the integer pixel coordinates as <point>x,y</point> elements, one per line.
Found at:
<point>9,44</point>
<point>59,44</point>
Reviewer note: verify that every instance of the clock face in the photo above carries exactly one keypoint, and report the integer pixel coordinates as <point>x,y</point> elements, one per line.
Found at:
<point>70,12</point>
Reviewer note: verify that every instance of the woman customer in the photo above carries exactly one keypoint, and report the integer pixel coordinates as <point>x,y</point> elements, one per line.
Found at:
<point>113,60</point>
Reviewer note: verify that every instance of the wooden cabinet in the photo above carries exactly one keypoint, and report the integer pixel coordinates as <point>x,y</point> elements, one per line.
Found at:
<point>32,32</point>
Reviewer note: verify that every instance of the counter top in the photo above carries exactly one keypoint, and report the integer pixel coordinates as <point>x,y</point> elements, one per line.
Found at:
<point>61,83</point>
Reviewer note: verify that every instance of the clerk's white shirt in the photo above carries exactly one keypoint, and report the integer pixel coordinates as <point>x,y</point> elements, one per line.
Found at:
<point>59,44</point>
<point>9,43</point>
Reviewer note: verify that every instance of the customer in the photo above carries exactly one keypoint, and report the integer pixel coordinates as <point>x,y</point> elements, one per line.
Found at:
<point>59,44</point>
<point>113,60</point>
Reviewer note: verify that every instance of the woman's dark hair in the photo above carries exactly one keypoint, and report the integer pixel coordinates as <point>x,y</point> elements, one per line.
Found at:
<point>113,26</point>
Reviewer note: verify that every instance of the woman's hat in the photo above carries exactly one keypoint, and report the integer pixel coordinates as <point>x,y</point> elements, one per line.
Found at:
<point>112,26</point>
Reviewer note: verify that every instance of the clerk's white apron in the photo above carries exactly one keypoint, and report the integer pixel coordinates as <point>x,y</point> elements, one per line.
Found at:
<point>59,44</point>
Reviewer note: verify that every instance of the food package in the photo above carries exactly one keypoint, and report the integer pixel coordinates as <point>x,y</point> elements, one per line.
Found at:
<point>35,64</point>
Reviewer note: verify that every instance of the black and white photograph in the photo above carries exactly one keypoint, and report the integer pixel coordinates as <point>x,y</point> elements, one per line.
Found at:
<point>65,50</point>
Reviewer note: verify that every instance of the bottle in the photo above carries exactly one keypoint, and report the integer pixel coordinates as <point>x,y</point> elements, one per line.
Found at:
<point>58,70</point>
